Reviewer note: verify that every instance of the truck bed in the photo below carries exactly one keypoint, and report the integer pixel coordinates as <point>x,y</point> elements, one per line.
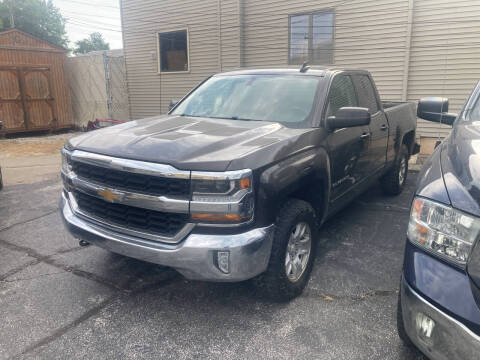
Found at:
<point>400,111</point>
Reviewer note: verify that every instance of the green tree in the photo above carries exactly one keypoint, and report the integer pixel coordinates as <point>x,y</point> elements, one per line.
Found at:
<point>94,42</point>
<point>36,17</point>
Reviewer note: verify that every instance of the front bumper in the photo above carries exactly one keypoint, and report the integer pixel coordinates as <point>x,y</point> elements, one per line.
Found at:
<point>194,257</point>
<point>449,339</point>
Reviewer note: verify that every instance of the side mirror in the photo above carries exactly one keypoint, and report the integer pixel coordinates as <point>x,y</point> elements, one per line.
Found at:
<point>349,117</point>
<point>435,109</point>
<point>173,103</point>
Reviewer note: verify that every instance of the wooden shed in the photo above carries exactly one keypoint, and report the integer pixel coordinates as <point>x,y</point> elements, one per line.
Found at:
<point>33,86</point>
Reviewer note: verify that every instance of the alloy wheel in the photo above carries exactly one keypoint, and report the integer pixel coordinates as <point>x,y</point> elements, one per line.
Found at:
<point>298,251</point>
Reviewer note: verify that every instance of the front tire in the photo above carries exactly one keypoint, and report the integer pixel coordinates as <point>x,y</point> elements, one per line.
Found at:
<point>293,252</point>
<point>394,180</point>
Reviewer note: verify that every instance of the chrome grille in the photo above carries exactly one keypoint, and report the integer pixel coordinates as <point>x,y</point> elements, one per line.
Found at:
<point>133,182</point>
<point>134,218</point>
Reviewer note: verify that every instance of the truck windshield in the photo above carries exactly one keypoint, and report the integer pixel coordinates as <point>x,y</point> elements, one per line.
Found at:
<point>284,99</point>
<point>474,114</point>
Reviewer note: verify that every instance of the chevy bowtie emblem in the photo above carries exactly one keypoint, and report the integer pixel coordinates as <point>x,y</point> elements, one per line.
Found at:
<point>108,195</point>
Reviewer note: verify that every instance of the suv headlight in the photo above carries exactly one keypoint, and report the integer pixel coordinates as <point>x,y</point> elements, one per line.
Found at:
<point>222,197</point>
<point>442,230</point>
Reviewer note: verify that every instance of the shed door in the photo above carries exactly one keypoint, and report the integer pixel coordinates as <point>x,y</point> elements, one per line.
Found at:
<point>26,101</point>
<point>11,106</point>
<point>38,100</point>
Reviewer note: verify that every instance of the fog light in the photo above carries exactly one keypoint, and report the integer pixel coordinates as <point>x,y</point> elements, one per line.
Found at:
<point>223,261</point>
<point>424,325</point>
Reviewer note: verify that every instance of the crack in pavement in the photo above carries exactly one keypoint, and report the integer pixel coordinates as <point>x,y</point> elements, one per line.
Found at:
<point>64,329</point>
<point>29,220</point>
<point>32,277</point>
<point>382,207</point>
<point>19,268</point>
<point>90,314</point>
<point>48,259</point>
<point>330,297</point>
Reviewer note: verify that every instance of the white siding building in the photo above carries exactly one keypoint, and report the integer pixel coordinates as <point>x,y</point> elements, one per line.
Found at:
<point>413,48</point>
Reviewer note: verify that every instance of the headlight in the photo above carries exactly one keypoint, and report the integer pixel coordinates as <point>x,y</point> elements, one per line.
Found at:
<point>225,197</point>
<point>442,230</point>
<point>66,170</point>
<point>66,161</point>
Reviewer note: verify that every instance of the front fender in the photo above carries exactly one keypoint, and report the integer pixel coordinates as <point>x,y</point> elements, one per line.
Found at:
<point>293,175</point>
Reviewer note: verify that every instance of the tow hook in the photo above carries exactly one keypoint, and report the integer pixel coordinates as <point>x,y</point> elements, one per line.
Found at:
<point>83,243</point>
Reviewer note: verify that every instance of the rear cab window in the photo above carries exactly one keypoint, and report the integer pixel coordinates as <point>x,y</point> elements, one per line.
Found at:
<point>341,94</point>
<point>367,96</point>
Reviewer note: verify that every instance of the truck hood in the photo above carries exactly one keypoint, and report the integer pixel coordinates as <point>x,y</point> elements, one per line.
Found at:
<point>460,159</point>
<point>192,143</point>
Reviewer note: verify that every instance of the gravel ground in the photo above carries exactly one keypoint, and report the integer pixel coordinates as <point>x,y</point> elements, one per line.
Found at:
<point>27,160</point>
<point>59,301</point>
<point>29,146</point>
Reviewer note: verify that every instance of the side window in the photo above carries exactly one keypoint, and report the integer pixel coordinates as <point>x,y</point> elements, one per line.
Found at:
<point>342,93</point>
<point>366,93</point>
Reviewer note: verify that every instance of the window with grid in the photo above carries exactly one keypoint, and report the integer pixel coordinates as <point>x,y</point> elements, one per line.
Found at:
<point>312,38</point>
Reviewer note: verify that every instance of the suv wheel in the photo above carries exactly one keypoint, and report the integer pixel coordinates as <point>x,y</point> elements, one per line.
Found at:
<point>394,181</point>
<point>293,252</point>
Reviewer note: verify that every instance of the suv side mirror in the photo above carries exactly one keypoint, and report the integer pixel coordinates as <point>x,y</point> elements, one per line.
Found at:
<point>173,103</point>
<point>435,109</point>
<point>349,117</point>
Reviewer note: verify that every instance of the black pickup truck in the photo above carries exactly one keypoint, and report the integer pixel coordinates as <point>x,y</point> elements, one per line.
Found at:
<point>235,181</point>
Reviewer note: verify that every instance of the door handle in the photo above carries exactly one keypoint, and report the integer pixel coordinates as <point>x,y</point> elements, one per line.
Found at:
<point>365,135</point>
<point>384,127</point>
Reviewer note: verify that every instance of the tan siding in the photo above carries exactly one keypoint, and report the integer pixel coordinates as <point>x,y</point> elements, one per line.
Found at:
<point>372,35</point>
<point>445,54</point>
<point>359,27</point>
<point>149,92</point>
<point>230,35</point>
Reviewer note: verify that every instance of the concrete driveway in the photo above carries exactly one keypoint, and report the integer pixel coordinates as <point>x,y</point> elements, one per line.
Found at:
<point>60,301</point>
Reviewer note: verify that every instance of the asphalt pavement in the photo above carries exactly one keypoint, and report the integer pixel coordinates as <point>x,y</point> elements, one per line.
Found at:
<point>58,300</point>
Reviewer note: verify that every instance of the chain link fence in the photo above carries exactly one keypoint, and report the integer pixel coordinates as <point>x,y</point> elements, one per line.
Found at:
<point>98,87</point>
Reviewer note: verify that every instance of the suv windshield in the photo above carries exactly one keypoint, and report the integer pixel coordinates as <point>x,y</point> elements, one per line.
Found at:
<point>284,99</point>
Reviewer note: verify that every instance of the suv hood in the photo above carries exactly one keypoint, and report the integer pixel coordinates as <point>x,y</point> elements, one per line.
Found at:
<point>191,143</point>
<point>460,159</point>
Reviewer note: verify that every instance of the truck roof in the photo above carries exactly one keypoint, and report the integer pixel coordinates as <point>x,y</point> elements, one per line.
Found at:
<point>312,71</point>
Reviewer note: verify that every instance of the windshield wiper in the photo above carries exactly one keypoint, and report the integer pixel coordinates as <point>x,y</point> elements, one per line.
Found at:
<point>233,118</point>
<point>189,115</point>
<point>219,117</point>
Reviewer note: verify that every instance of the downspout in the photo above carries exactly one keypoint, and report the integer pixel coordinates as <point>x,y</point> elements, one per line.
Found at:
<point>241,32</point>
<point>106,69</point>
<point>219,10</point>
<point>122,21</point>
<point>406,62</point>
